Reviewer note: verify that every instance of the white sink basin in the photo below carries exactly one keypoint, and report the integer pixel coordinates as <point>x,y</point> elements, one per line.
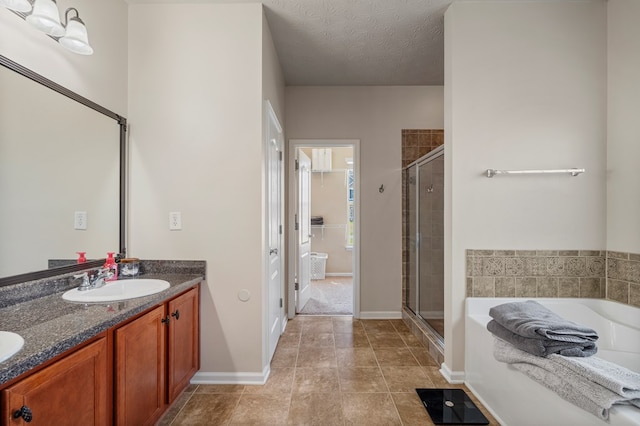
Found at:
<point>118,290</point>
<point>10,344</point>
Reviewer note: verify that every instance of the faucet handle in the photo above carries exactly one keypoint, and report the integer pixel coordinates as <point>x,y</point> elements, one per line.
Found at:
<point>85,280</point>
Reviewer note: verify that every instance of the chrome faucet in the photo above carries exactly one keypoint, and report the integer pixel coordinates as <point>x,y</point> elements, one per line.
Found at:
<point>93,280</point>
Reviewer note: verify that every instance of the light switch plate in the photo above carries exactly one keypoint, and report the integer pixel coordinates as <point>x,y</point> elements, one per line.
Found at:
<point>175,221</point>
<point>80,220</point>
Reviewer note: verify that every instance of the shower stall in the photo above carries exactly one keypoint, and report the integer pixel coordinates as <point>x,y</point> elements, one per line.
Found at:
<point>424,239</point>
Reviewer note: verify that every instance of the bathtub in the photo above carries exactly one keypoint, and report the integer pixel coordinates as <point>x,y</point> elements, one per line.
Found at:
<point>517,400</point>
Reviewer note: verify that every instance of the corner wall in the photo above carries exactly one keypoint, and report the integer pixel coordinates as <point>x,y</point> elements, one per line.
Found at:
<point>623,126</point>
<point>525,88</point>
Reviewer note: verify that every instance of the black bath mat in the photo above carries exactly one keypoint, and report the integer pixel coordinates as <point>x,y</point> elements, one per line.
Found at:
<point>451,407</point>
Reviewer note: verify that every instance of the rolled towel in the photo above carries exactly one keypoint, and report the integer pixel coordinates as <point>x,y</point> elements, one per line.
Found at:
<point>531,319</point>
<point>542,346</point>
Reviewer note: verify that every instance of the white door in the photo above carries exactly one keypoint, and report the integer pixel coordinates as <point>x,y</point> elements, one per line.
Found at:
<point>274,229</point>
<point>304,230</point>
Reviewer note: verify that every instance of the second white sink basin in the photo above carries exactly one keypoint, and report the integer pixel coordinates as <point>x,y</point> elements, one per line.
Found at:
<point>10,344</point>
<point>118,290</point>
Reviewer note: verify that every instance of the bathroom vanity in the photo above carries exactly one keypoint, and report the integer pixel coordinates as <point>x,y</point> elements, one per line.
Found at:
<point>121,362</point>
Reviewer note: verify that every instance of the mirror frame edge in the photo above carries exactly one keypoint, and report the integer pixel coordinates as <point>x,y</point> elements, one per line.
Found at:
<point>122,123</point>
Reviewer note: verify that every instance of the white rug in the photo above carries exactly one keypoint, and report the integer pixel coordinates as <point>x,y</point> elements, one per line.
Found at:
<point>331,296</point>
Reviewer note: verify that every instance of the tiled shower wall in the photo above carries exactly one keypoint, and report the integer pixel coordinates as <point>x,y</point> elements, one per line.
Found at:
<point>554,273</point>
<point>417,143</point>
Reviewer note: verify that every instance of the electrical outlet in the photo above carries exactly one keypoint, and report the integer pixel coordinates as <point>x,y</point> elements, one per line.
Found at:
<point>80,220</point>
<point>175,221</point>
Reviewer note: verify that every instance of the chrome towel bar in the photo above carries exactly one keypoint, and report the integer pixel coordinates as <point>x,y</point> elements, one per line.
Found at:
<point>493,172</point>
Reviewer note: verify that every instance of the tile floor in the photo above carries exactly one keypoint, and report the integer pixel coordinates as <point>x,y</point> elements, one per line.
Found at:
<point>326,371</point>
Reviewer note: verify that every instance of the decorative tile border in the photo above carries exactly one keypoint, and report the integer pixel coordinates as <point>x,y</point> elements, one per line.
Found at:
<point>623,277</point>
<point>554,273</point>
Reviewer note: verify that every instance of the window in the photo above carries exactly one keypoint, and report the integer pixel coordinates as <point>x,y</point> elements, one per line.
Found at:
<point>350,207</point>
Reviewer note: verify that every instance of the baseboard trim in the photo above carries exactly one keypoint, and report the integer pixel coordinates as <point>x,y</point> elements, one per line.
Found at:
<point>239,378</point>
<point>453,377</point>
<point>380,315</point>
<point>338,274</point>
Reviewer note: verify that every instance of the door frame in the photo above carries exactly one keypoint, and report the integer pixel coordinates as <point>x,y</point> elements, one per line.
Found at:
<point>292,145</point>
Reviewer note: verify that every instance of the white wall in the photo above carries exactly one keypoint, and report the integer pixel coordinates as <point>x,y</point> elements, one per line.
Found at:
<point>195,79</point>
<point>525,88</point>
<point>101,77</point>
<point>375,115</point>
<point>623,136</point>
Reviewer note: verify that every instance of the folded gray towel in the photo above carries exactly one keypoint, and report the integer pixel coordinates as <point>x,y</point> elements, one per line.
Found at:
<point>542,346</point>
<point>531,319</point>
<point>577,388</point>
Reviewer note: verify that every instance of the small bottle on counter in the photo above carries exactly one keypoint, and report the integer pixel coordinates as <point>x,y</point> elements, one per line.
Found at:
<point>81,257</point>
<point>112,265</point>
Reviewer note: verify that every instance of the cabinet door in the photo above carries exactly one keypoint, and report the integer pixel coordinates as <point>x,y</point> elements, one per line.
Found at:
<point>140,369</point>
<point>184,341</point>
<point>71,391</point>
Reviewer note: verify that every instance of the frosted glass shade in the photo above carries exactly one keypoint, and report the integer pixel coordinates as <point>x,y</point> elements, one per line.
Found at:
<point>18,5</point>
<point>46,18</point>
<point>76,38</point>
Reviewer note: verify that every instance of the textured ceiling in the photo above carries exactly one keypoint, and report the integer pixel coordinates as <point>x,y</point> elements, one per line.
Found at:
<point>355,42</point>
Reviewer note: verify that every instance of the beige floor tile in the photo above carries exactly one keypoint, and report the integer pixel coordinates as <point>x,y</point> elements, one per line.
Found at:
<point>316,409</point>
<point>411,410</point>
<point>369,409</point>
<point>280,382</point>
<point>284,357</point>
<point>395,356</point>
<point>316,357</point>
<point>318,380</point>
<point>255,409</point>
<point>356,357</point>
<point>220,389</point>
<point>347,327</point>
<point>317,327</point>
<point>423,357</point>
<point>378,326</point>
<point>386,340</point>
<point>400,326</point>
<point>411,340</point>
<point>351,340</point>
<point>316,319</point>
<point>316,340</point>
<point>293,327</point>
<point>208,409</point>
<point>406,379</point>
<point>291,340</point>
<point>362,379</point>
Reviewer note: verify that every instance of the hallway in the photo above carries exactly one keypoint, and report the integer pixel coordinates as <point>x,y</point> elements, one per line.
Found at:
<point>326,371</point>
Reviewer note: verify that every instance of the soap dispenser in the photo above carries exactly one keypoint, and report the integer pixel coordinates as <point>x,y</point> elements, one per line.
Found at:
<point>112,265</point>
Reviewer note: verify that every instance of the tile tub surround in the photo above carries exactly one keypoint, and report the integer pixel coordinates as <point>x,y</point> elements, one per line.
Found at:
<point>51,325</point>
<point>623,277</point>
<point>554,273</point>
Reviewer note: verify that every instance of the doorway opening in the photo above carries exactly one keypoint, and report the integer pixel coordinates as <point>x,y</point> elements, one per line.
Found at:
<point>323,207</point>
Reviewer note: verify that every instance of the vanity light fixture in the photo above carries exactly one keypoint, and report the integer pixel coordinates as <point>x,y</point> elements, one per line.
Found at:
<point>75,38</point>
<point>45,16</point>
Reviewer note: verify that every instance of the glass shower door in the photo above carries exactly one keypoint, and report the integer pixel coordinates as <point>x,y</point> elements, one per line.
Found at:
<point>431,244</point>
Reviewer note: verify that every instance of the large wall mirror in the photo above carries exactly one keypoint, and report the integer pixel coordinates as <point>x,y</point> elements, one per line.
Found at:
<point>62,177</point>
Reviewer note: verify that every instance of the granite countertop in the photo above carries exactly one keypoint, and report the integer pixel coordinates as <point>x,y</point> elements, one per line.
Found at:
<point>51,325</point>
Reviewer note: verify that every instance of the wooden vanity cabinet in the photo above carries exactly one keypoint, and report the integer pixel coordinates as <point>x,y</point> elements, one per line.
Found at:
<point>70,391</point>
<point>156,355</point>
